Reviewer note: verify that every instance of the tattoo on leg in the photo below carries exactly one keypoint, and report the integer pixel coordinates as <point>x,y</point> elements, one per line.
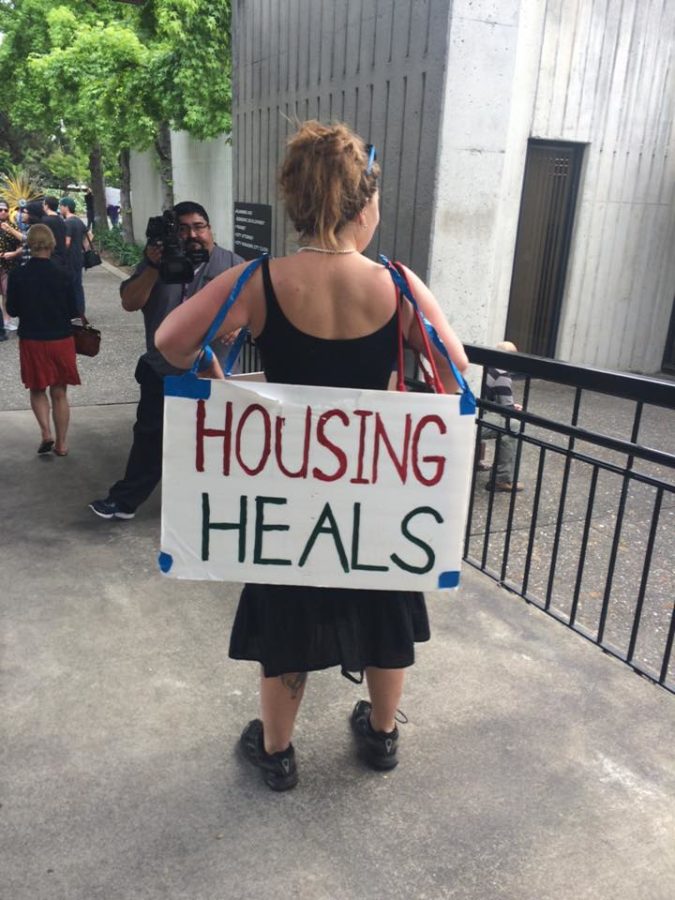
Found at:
<point>294,683</point>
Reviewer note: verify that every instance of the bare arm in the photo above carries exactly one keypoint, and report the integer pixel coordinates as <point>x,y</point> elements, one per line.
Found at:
<point>11,230</point>
<point>432,310</point>
<point>180,335</point>
<point>135,293</point>
<point>12,254</point>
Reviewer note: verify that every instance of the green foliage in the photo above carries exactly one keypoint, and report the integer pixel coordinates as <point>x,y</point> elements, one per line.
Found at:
<point>83,74</point>
<point>92,80</point>
<point>192,61</point>
<point>61,168</point>
<point>113,242</point>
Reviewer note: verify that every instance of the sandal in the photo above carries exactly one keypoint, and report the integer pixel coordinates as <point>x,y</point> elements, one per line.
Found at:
<point>60,452</point>
<point>45,447</point>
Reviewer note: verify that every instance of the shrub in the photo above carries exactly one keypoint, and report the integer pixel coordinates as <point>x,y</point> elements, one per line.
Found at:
<point>112,241</point>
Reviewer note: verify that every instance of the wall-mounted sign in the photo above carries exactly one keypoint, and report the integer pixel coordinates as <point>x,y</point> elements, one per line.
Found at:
<point>252,229</point>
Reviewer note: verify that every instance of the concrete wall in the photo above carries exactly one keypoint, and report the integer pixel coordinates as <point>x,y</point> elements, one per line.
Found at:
<point>607,79</point>
<point>491,74</point>
<point>597,73</point>
<point>146,190</point>
<point>202,171</point>
<point>450,92</point>
<point>377,65</point>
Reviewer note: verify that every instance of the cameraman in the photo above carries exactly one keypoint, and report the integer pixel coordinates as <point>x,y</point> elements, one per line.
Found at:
<point>146,291</point>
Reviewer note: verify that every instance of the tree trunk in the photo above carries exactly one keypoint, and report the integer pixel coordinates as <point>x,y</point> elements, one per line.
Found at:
<point>98,188</point>
<point>125,198</point>
<point>163,148</point>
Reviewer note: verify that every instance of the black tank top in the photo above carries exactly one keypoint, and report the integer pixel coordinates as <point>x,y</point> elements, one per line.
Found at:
<point>290,356</point>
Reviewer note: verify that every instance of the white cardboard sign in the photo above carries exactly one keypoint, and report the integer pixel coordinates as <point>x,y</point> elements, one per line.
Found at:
<point>285,484</point>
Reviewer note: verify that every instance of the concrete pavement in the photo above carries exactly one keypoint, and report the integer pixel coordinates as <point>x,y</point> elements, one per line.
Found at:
<point>533,766</point>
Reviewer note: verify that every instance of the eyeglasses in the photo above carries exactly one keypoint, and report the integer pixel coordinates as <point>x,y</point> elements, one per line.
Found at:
<point>195,226</point>
<point>372,156</point>
<point>4,209</point>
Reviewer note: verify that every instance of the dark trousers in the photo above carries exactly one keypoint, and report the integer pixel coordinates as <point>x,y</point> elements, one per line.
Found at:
<point>78,287</point>
<point>144,466</point>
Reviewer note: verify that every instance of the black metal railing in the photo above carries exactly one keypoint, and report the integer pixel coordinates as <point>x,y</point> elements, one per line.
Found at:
<point>249,358</point>
<point>590,539</point>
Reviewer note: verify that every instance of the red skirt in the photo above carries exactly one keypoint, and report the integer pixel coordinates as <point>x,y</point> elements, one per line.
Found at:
<point>46,363</point>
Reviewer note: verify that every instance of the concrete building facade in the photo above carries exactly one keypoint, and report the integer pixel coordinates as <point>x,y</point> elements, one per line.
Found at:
<point>461,98</point>
<point>526,150</point>
<point>597,74</point>
<point>202,171</point>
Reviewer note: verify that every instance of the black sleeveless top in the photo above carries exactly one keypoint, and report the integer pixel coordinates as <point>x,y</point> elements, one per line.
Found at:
<point>291,356</point>
<point>300,628</point>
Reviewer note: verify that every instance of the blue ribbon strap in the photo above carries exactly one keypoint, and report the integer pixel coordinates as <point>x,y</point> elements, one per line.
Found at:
<point>205,359</point>
<point>220,318</point>
<point>235,350</point>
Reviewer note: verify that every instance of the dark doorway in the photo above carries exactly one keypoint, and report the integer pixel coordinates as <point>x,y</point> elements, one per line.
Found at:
<point>550,186</point>
<point>668,364</point>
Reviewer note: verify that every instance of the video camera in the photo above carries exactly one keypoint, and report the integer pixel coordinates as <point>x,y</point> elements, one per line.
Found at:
<point>178,261</point>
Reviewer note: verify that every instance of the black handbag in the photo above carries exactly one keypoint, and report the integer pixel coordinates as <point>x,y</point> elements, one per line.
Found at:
<point>91,258</point>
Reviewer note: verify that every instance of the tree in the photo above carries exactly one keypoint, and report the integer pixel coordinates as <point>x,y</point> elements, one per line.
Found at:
<point>191,62</point>
<point>104,77</point>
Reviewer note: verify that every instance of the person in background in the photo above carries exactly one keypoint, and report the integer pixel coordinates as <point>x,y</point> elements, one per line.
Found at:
<point>41,294</point>
<point>22,221</point>
<point>44,212</point>
<point>499,389</point>
<point>112,204</point>
<point>146,291</point>
<point>78,239</point>
<point>89,206</point>
<point>10,256</point>
<point>325,316</point>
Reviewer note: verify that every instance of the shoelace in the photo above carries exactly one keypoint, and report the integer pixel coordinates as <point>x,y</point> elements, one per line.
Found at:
<point>401,717</point>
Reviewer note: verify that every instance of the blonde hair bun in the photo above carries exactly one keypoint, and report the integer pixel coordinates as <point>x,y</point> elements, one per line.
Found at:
<point>323,179</point>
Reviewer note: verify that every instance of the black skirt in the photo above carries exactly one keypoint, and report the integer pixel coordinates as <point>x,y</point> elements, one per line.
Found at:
<point>303,629</point>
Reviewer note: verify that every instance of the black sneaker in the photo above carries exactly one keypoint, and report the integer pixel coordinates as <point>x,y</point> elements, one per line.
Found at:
<point>108,509</point>
<point>376,748</point>
<point>279,769</point>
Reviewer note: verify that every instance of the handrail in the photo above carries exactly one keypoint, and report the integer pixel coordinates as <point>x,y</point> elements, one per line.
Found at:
<point>657,391</point>
<point>582,434</point>
<point>581,549</point>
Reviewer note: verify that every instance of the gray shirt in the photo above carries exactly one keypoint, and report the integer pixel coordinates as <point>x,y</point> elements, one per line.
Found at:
<point>166,297</point>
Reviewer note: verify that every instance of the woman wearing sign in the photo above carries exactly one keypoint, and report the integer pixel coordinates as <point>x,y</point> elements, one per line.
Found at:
<point>325,316</point>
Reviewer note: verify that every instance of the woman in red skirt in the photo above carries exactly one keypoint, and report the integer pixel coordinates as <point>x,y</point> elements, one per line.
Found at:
<point>41,295</point>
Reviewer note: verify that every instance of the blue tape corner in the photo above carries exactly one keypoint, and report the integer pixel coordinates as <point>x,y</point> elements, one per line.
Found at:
<point>165,561</point>
<point>187,385</point>
<point>448,580</point>
<point>467,404</point>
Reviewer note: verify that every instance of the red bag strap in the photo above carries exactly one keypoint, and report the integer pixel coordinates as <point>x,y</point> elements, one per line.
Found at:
<point>432,377</point>
<point>400,377</point>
